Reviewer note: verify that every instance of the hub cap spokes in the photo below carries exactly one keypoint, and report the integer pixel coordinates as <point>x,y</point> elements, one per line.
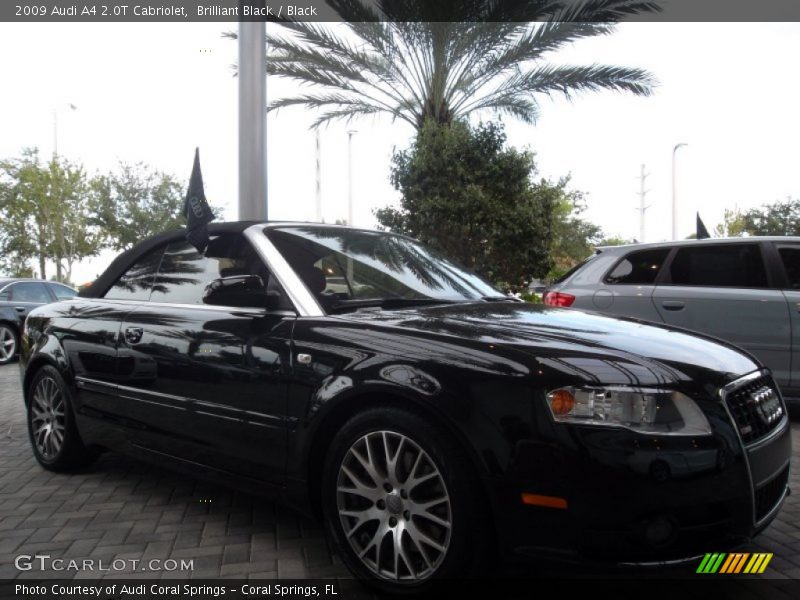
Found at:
<point>8,344</point>
<point>47,417</point>
<point>394,506</point>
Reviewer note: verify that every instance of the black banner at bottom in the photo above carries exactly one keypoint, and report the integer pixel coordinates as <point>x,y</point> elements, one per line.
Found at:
<point>344,589</point>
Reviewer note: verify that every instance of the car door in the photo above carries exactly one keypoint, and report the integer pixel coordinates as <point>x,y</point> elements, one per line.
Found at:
<point>210,382</point>
<point>725,290</point>
<point>91,341</point>
<point>627,288</point>
<point>788,259</point>
<point>24,296</point>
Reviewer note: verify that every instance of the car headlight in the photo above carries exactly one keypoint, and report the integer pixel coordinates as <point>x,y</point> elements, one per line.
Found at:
<point>650,411</point>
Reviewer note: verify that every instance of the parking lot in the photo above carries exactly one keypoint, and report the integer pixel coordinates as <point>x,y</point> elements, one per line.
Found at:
<point>122,509</point>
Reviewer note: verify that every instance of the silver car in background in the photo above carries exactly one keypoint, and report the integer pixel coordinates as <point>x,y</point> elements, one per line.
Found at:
<point>743,290</point>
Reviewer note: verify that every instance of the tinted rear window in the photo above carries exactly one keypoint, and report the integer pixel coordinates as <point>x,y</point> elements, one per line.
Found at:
<point>790,257</point>
<point>639,268</point>
<point>728,265</point>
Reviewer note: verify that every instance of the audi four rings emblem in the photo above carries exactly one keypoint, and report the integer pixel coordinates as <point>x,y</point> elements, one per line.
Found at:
<point>767,405</point>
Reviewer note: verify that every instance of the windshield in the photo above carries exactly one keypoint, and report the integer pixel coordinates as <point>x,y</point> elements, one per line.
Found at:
<point>351,267</point>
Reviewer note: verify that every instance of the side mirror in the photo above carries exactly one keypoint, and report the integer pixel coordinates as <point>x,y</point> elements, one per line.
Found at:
<point>238,290</point>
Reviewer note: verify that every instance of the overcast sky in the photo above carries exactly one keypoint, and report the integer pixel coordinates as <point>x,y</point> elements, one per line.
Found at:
<point>153,92</point>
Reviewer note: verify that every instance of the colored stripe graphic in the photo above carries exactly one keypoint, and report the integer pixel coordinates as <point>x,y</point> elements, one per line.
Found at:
<point>736,562</point>
<point>741,562</point>
<point>729,563</point>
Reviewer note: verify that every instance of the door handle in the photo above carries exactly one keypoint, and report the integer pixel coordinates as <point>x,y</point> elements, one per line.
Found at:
<point>19,308</point>
<point>133,335</point>
<point>673,304</point>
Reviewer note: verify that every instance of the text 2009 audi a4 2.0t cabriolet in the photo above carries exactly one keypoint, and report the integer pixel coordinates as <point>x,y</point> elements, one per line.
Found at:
<point>425,416</point>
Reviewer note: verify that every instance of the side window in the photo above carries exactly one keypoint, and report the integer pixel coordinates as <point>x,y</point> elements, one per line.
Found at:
<point>638,268</point>
<point>790,257</point>
<point>62,292</point>
<point>31,291</point>
<point>725,265</point>
<point>185,273</point>
<point>137,282</point>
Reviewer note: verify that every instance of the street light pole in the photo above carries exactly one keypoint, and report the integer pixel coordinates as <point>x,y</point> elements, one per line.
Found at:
<point>318,173</point>
<point>350,135</point>
<point>252,122</point>
<point>674,193</point>
<point>55,126</point>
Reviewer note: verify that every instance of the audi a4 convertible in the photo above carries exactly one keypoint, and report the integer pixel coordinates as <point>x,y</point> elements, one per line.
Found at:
<point>430,420</point>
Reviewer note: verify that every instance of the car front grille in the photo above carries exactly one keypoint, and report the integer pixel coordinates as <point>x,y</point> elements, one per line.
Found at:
<point>769,494</point>
<point>756,407</point>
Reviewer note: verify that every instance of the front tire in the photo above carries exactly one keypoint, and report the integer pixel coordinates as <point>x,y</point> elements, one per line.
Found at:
<point>54,436</point>
<point>9,343</point>
<point>400,501</point>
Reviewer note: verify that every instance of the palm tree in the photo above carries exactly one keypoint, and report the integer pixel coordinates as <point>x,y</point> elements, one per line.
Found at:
<point>444,59</point>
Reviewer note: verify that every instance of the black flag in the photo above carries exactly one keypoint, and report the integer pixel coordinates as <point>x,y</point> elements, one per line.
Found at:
<point>702,232</point>
<point>195,208</point>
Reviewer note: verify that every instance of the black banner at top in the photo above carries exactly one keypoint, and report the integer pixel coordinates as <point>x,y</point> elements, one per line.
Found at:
<point>151,11</point>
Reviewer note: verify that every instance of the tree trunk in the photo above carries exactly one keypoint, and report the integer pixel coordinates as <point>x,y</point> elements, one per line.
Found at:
<point>59,268</point>
<point>42,272</point>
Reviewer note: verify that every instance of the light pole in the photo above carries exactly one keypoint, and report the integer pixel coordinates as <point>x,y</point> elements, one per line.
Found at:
<point>350,135</point>
<point>252,121</point>
<point>55,126</point>
<point>318,173</point>
<point>674,193</point>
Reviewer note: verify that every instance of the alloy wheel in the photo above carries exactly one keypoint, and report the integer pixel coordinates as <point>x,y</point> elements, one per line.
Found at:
<point>394,506</point>
<point>8,344</point>
<point>47,417</point>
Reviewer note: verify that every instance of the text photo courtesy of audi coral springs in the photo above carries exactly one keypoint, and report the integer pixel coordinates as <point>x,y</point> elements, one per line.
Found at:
<point>396,376</point>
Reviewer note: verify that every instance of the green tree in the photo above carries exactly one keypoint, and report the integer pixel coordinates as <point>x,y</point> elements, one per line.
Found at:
<point>468,195</point>
<point>137,202</point>
<point>443,60</point>
<point>614,240</point>
<point>778,218</point>
<point>72,209</point>
<point>46,214</point>
<point>574,238</point>
<point>24,212</point>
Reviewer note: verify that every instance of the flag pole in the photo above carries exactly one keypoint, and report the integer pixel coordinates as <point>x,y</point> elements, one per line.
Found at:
<point>252,121</point>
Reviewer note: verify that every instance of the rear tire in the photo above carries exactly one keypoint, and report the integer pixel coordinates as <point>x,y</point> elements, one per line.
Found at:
<point>9,343</point>
<point>54,436</point>
<point>401,503</point>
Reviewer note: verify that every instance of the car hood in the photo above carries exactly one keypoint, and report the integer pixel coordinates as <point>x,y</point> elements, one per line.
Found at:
<point>588,346</point>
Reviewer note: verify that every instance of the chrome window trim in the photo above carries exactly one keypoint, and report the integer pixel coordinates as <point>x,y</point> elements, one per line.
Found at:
<point>241,309</point>
<point>303,300</point>
<point>723,393</point>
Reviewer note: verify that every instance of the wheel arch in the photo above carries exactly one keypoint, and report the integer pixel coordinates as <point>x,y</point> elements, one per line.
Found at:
<point>350,406</point>
<point>35,364</point>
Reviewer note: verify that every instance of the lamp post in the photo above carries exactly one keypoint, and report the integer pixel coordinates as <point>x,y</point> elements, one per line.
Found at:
<point>350,135</point>
<point>55,126</point>
<point>674,193</point>
<point>252,121</point>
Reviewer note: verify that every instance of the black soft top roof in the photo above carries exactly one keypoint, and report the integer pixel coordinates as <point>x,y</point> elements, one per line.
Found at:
<point>125,260</point>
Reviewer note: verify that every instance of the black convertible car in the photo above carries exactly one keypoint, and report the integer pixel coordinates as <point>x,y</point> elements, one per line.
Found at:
<point>429,419</point>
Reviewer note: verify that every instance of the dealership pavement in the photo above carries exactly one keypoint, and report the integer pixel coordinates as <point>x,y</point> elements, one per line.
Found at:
<point>121,509</point>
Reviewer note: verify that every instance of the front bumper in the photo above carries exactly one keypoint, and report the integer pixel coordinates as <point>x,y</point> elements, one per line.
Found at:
<point>632,498</point>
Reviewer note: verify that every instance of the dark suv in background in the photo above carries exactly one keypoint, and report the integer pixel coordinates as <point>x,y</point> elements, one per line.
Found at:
<point>17,298</point>
<point>743,290</point>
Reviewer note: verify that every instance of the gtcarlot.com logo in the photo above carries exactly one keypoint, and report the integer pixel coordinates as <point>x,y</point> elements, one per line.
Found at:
<point>43,562</point>
<point>733,563</point>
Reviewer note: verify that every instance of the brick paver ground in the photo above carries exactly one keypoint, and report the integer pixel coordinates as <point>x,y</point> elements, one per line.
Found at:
<point>122,509</point>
